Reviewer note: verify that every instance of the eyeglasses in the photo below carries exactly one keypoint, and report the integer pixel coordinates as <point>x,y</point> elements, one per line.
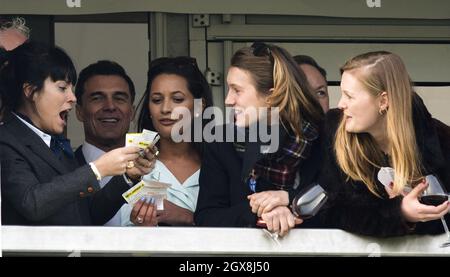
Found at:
<point>5,24</point>
<point>260,49</point>
<point>179,62</point>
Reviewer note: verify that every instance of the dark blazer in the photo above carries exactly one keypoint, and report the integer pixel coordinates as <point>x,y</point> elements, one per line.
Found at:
<point>40,189</point>
<point>222,199</point>
<point>354,208</point>
<point>111,194</point>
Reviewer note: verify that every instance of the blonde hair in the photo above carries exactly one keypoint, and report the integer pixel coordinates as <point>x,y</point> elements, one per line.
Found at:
<point>357,154</point>
<point>277,70</point>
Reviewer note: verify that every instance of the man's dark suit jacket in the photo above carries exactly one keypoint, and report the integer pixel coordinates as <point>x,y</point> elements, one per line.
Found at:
<point>37,188</point>
<point>118,182</point>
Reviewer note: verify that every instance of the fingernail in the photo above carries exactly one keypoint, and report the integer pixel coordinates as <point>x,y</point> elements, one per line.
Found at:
<point>149,200</point>
<point>143,198</point>
<point>153,201</point>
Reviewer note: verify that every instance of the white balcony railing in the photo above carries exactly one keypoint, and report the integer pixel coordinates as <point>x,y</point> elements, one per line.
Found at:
<point>167,241</point>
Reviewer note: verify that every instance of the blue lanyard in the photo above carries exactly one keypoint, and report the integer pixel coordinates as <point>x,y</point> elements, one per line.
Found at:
<point>252,181</point>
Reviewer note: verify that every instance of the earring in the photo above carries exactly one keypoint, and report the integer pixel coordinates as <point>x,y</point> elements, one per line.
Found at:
<point>197,114</point>
<point>382,111</point>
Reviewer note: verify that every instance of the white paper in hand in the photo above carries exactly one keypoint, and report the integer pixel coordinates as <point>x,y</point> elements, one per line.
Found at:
<point>143,140</point>
<point>157,190</point>
<point>386,176</point>
<point>150,136</point>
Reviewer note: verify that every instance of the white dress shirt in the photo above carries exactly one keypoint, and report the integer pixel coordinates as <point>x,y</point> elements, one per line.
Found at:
<point>45,137</point>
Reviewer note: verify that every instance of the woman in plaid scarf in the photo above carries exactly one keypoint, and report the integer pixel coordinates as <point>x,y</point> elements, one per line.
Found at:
<point>238,180</point>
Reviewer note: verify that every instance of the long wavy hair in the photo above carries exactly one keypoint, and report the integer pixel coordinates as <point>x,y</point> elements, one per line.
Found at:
<point>357,154</point>
<point>272,67</point>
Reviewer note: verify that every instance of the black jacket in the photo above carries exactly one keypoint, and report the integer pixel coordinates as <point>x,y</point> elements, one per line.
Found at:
<point>222,199</point>
<point>354,208</point>
<point>111,195</point>
<point>37,188</point>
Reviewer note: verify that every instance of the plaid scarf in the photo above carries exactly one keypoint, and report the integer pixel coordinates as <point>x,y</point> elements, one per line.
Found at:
<point>278,170</point>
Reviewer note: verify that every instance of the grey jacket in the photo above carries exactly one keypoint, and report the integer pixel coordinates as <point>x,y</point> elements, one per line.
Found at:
<point>37,188</point>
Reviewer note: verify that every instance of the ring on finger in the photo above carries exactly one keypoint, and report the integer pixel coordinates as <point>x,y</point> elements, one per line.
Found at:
<point>130,164</point>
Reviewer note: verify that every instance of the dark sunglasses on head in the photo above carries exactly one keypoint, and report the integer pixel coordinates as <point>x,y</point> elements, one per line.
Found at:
<point>260,49</point>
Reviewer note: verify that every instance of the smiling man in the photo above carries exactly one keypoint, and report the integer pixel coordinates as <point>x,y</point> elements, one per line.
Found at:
<point>317,79</point>
<point>105,96</point>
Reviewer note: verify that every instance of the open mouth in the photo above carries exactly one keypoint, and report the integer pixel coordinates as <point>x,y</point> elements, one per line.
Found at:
<point>64,115</point>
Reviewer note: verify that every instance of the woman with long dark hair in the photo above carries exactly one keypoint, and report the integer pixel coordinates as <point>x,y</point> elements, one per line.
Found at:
<point>174,85</point>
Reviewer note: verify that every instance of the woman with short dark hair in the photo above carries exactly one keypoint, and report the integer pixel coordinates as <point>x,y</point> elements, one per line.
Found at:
<point>41,181</point>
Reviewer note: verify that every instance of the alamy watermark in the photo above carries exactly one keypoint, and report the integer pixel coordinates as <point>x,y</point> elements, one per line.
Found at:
<point>73,3</point>
<point>263,125</point>
<point>373,3</point>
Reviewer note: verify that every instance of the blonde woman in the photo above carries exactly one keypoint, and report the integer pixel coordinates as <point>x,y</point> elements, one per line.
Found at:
<point>381,122</point>
<point>261,76</point>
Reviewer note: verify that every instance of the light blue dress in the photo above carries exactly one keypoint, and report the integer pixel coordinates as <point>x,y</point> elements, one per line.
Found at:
<point>183,195</point>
